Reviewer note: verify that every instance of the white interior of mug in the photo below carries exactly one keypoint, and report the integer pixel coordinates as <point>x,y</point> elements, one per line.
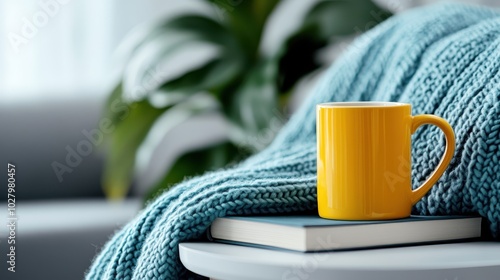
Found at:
<point>362,104</point>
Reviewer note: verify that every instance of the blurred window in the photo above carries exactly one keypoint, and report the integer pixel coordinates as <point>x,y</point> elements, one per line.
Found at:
<point>64,48</point>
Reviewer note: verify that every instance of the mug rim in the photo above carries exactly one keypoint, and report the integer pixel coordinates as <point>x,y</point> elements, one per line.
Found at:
<point>362,104</point>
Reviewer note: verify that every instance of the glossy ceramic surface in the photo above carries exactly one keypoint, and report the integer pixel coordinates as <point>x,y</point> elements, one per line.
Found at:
<point>364,159</point>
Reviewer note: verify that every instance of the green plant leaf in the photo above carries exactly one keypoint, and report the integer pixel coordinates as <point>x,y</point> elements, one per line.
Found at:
<point>322,24</point>
<point>158,61</point>
<point>170,119</point>
<point>300,49</point>
<point>246,20</point>
<point>207,159</point>
<point>130,129</point>
<point>144,33</point>
<point>212,76</point>
<point>138,36</point>
<point>252,106</point>
<point>335,18</point>
<point>114,107</point>
<point>225,61</point>
<point>138,129</point>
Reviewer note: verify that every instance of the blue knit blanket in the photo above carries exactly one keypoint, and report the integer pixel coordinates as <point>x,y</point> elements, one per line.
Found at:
<point>443,59</point>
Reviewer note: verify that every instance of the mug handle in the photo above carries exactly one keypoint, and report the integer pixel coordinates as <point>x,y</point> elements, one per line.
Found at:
<point>417,121</point>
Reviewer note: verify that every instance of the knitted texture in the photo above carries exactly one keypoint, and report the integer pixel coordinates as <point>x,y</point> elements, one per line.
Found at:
<point>442,59</point>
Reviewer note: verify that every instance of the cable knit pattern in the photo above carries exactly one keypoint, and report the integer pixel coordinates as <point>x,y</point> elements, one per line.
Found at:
<point>443,59</point>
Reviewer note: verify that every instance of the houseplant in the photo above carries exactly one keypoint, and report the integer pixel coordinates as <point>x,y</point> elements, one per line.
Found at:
<point>233,77</point>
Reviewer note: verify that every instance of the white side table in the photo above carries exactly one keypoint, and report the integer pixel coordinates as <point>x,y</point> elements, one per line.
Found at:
<point>459,261</point>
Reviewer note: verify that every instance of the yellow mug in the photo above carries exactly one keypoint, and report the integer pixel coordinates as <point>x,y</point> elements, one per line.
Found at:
<point>364,159</point>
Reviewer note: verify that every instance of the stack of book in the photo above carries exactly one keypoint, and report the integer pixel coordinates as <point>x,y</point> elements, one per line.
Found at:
<point>312,233</point>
